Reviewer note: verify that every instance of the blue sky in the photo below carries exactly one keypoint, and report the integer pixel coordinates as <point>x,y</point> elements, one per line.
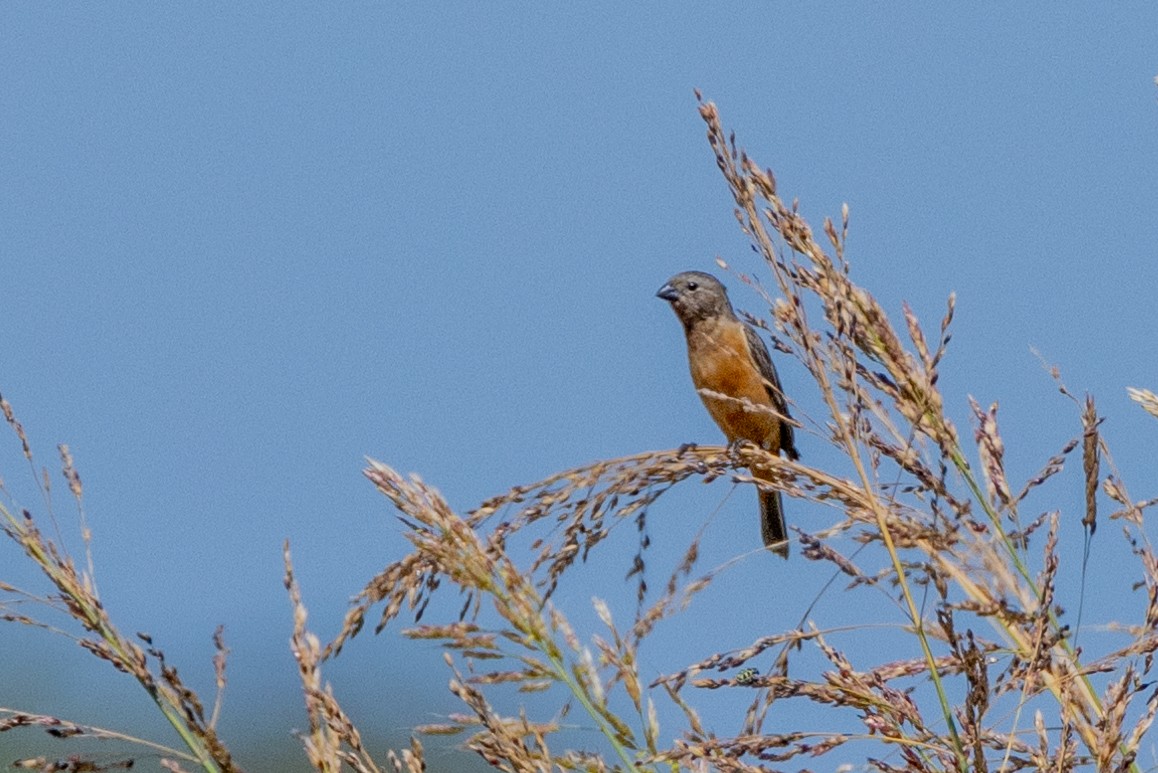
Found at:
<point>245,245</point>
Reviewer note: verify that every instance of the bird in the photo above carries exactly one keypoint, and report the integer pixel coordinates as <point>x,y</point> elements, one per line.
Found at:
<point>727,356</point>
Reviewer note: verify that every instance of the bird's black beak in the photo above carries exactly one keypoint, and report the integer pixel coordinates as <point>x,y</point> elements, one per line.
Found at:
<point>667,292</point>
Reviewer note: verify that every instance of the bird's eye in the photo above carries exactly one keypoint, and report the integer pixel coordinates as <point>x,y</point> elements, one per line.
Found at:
<point>692,285</point>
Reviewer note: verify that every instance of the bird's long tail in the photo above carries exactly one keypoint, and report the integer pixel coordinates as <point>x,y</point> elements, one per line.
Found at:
<point>772,527</point>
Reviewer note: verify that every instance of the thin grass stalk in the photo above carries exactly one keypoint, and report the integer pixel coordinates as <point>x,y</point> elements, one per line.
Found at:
<point>447,541</point>
<point>87,610</point>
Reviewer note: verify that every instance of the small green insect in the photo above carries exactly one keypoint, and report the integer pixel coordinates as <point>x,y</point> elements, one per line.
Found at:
<point>747,676</point>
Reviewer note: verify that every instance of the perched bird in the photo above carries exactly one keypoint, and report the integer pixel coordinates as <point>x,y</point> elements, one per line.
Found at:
<point>727,356</point>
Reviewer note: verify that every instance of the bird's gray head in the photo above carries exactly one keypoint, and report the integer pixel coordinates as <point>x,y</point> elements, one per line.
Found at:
<point>696,296</point>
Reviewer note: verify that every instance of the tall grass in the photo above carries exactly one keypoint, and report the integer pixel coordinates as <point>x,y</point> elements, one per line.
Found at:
<point>989,677</point>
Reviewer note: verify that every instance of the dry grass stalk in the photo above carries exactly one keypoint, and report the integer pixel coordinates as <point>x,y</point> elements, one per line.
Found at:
<point>333,742</point>
<point>76,598</point>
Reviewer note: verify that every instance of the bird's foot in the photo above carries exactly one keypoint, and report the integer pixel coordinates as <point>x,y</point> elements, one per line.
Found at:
<point>735,447</point>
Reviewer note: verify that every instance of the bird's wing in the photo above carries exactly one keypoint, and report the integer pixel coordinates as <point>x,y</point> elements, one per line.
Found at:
<point>763,362</point>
